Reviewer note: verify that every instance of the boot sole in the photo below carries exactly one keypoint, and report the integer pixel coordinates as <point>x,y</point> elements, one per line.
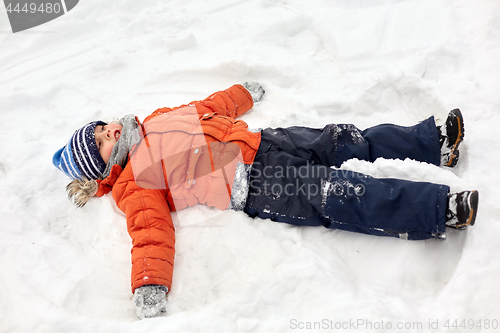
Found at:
<point>473,203</point>
<point>454,150</point>
<point>474,200</point>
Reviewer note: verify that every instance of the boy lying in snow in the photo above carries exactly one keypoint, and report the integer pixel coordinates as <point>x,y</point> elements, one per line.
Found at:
<point>199,153</point>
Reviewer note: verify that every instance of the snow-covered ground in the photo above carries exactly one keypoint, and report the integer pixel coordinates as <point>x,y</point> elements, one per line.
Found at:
<point>64,269</point>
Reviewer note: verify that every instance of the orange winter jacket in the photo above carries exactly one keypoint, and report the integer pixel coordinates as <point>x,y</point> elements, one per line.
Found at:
<point>187,156</point>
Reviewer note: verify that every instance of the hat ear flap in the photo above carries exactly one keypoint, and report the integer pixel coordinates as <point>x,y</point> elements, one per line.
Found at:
<point>81,190</point>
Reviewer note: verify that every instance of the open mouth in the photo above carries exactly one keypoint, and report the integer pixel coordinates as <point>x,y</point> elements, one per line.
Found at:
<point>117,135</point>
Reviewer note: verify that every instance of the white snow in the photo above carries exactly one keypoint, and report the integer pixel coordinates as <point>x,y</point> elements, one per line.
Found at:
<point>64,269</point>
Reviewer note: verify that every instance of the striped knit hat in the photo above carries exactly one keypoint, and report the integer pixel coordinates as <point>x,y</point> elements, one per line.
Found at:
<point>80,157</point>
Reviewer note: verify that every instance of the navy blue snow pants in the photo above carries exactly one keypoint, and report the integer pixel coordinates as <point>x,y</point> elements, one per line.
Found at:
<point>292,180</point>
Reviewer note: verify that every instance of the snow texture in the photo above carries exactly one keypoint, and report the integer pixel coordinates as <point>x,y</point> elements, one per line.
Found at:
<point>65,269</point>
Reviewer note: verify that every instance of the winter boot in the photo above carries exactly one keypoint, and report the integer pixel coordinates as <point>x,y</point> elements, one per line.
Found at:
<point>462,209</point>
<point>451,135</point>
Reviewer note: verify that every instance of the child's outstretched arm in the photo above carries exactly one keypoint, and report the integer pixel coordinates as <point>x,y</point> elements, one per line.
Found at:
<point>150,225</point>
<point>231,102</point>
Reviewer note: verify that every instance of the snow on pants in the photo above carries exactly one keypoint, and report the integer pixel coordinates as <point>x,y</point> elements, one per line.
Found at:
<point>292,180</point>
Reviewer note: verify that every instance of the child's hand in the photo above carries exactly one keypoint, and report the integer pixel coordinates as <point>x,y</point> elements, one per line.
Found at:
<point>150,301</point>
<point>255,89</point>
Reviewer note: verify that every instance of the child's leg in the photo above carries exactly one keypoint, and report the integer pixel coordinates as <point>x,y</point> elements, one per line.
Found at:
<point>291,189</point>
<point>419,142</point>
<point>334,144</point>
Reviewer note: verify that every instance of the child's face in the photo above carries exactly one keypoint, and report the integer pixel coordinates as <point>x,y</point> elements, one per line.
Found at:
<point>106,137</point>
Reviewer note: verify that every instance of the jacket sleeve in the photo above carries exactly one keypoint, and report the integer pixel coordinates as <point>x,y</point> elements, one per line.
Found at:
<point>150,226</point>
<point>232,102</point>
